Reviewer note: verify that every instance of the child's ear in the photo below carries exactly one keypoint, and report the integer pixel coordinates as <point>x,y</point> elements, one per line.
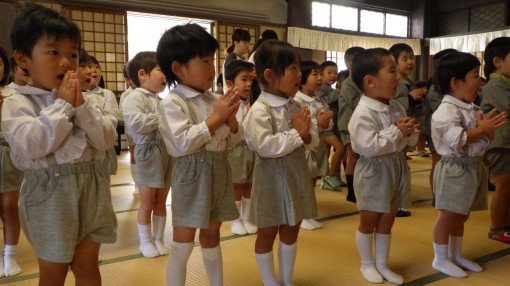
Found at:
<point>369,81</point>
<point>142,75</point>
<point>268,75</point>
<point>177,69</point>
<point>229,83</point>
<point>21,59</point>
<point>497,61</point>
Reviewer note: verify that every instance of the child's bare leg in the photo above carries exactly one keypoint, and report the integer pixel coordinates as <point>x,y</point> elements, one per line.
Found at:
<point>446,222</point>
<point>159,220</point>
<point>364,240</point>
<point>182,246</point>
<point>51,273</point>
<point>337,156</point>
<point>287,250</point>
<point>211,253</point>
<point>10,217</point>
<point>382,247</point>
<point>85,266</point>
<point>264,254</point>
<point>246,209</point>
<point>435,158</point>
<point>147,204</point>
<point>237,226</point>
<point>132,167</point>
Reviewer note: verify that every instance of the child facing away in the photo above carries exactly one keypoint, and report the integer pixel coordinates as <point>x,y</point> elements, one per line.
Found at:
<point>240,74</point>
<point>197,127</point>
<point>129,140</point>
<point>10,183</point>
<point>153,164</point>
<point>379,130</point>
<point>322,117</point>
<point>496,94</point>
<point>329,72</point>
<point>279,130</point>
<point>460,133</point>
<point>110,107</point>
<point>348,99</point>
<point>58,137</point>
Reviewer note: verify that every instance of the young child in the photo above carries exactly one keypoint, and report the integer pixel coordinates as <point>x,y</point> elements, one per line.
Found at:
<point>329,72</point>
<point>130,142</point>
<point>322,117</point>
<point>58,137</point>
<point>18,75</point>
<point>460,133</point>
<point>350,95</point>
<point>197,127</point>
<point>379,130</point>
<point>411,97</point>
<point>496,94</point>
<point>277,129</point>
<point>240,74</point>
<point>10,183</point>
<point>110,107</point>
<point>153,164</point>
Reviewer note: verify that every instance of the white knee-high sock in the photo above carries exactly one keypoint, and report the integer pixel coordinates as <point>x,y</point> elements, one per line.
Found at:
<point>11,267</point>
<point>443,264</point>
<point>158,230</point>
<point>147,246</point>
<point>368,269</point>
<point>246,208</point>
<point>265,263</point>
<point>286,259</point>
<point>454,253</point>
<point>177,261</point>
<point>382,252</point>
<point>213,263</point>
<point>239,205</point>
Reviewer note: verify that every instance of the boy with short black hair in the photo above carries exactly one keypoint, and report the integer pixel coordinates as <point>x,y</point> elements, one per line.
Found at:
<point>58,137</point>
<point>240,74</point>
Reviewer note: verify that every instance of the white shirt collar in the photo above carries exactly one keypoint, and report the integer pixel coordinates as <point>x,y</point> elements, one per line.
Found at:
<point>27,89</point>
<point>457,102</point>
<point>373,104</point>
<point>273,100</point>
<point>188,92</point>
<point>304,96</point>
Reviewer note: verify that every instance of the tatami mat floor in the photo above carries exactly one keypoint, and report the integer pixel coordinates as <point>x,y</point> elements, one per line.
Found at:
<point>326,257</point>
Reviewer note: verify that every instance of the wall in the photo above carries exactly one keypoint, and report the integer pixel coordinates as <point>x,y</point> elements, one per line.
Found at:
<point>7,14</point>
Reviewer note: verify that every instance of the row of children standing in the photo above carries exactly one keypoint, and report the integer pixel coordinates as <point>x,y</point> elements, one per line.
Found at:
<point>196,127</point>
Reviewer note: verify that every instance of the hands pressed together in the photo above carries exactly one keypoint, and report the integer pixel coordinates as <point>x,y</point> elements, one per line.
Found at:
<point>301,122</point>
<point>70,90</point>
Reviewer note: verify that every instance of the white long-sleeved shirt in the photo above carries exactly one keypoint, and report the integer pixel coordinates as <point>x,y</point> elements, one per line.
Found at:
<point>73,135</point>
<point>140,110</point>
<point>121,100</point>
<point>184,136</point>
<point>110,105</point>
<point>450,122</point>
<point>258,130</point>
<point>7,91</point>
<point>315,105</point>
<point>370,139</point>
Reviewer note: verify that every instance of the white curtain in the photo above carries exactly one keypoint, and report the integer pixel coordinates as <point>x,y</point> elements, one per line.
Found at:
<point>329,41</point>
<point>467,43</point>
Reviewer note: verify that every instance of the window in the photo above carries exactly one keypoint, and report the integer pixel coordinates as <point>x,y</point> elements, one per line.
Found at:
<point>359,20</point>
<point>338,58</point>
<point>345,18</point>
<point>321,14</point>
<point>396,25</point>
<point>372,22</point>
